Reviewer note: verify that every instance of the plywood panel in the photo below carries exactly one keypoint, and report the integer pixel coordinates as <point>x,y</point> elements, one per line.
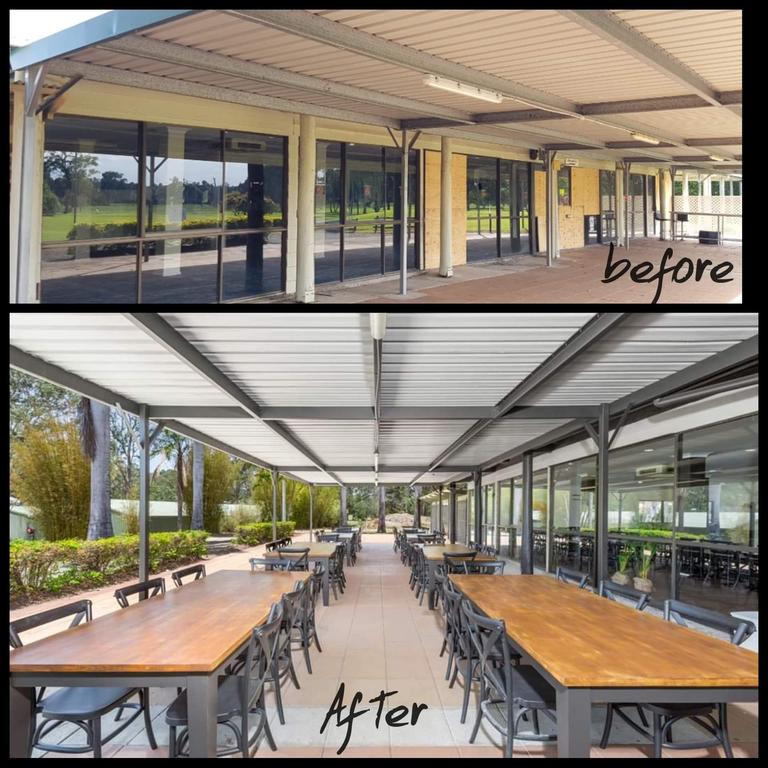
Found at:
<point>432,210</point>
<point>540,192</point>
<point>585,200</point>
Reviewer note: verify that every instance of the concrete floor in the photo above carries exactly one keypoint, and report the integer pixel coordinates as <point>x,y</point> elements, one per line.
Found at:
<point>575,278</point>
<point>377,636</point>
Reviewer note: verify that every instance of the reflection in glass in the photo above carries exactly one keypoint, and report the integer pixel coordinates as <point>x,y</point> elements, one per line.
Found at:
<point>461,517</point>
<point>608,206</point>
<point>636,206</point>
<point>365,183</point>
<point>81,273</point>
<point>253,195</point>
<point>180,270</point>
<point>328,183</point>
<point>482,221</point>
<point>184,174</point>
<point>573,514</point>
<point>245,276</point>
<point>362,250</point>
<point>489,522</point>
<point>392,247</point>
<point>514,205</point>
<point>540,496</point>
<point>90,179</point>
<point>327,255</point>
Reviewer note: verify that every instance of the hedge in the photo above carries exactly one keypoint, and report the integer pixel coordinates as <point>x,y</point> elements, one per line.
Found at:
<point>257,533</point>
<point>40,568</point>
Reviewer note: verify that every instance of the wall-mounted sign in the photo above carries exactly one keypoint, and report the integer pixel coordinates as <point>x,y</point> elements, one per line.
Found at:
<point>570,161</point>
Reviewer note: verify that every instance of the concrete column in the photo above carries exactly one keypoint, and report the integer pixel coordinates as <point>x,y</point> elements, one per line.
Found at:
<point>343,505</point>
<point>477,534</point>
<point>446,207</point>
<point>619,212</point>
<point>665,202</point>
<point>305,250</point>
<point>293,204</point>
<point>627,225</point>
<point>404,214</point>
<point>600,551</point>
<point>497,515</point>
<point>30,222</point>
<point>382,510</point>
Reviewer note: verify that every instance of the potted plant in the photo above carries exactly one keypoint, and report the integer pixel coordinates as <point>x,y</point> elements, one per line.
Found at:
<point>622,563</point>
<point>645,555</point>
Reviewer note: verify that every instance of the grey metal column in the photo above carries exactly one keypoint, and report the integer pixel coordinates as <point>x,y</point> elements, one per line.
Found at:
<point>311,494</point>
<point>274,504</point>
<point>478,489</point>
<point>305,242</point>
<point>526,546</point>
<point>626,206</point>
<point>618,179</point>
<point>552,210</point>
<point>440,511</point>
<point>417,511</point>
<point>600,554</point>
<point>283,516</point>
<point>452,508</point>
<point>144,476</point>
<point>343,505</point>
<point>404,214</point>
<point>446,210</point>
<point>198,468</point>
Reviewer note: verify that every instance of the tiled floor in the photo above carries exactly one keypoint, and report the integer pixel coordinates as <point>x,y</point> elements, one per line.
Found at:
<point>575,277</point>
<point>377,638</point>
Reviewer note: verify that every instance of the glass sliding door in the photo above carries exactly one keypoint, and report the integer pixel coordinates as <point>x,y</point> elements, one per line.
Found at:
<point>636,220</point>
<point>607,206</point>
<point>540,514</point>
<point>651,205</point>
<point>514,205</point>
<point>489,520</point>
<point>482,209</point>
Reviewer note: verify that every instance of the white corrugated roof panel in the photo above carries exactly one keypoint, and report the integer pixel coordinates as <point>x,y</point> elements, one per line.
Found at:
<point>338,443</point>
<point>417,443</point>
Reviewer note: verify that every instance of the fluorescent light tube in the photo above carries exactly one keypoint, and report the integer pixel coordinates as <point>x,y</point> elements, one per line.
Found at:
<point>646,139</point>
<point>453,86</point>
<point>717,157</point>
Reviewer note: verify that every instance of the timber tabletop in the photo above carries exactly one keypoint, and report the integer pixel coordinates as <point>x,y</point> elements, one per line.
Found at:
<point>436,551</point>
<point>316,549</point>
<point>193,628</point>
<point>586,641</point>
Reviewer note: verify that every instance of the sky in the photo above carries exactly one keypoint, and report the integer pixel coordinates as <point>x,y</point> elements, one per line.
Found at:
<point>27,26</point>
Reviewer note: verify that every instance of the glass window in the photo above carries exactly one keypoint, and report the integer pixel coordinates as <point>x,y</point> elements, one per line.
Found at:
<point>540,512</point>
<point>180,270</point>
<point>693,188</point>
<point>482,213</point>
<point>328,183</point>
<point>506,540</point>
<point>252,264</point>
<point>489,523</point>
<point>564,185</point>
<point>90,180</point>
<point>715,189</point>
<point>717,518</point>
<point>184,175</point>
<point>327,255</point>
<point>737,188</point>
<point>89,273</point>
<point>641,491</point>
<point>679,187</point>
<point>362,250</point>
<point>253,194</point>
<point>573,514</point>
<point>461,517</point>
<point>365,183</point>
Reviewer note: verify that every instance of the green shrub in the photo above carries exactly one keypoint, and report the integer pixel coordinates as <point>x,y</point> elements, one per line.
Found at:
<point>218,477</point>
<point>39,568</point>
<point>257,533</point>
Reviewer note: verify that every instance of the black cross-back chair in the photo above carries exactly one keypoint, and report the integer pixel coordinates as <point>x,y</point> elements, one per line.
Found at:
<point>292,559</point>
<point>611,590</point>
<point>566,575</point>
<point>487,567</point>
<point>82,706</point>
<point>666,715</point>
<point>144,589</point>
<point>304,622</point>
<point>454,561</point>
<point>240,696</point>
<point>197,570</point>
<point>282,663</point>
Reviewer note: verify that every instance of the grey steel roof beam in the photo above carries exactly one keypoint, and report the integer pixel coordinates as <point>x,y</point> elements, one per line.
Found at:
<point>382,468</point>
<point>635,144</point>
<point>517,116</point>
<point>628,106</point>
<point>167,336</point>
<point>197,412</point>
<point>723,141</point>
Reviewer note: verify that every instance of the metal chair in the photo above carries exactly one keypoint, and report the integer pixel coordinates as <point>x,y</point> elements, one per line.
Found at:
<point>240,696</point>
<point>81,706</point>
<point>328,537</point>
<point>666,715</point>
<point>198,571</point>
<point>488,567</point>
<point>304,621</point>
<point>566,575</point>
<point>396,544</point>
<point>267,562</point>
<point>282,665</point>
<point>292,559</point>
<point>454,561</point>
<point>144,589</point>
<point>610,590</point>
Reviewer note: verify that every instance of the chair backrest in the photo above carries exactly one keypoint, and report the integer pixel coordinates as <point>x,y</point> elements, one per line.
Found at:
<point>198,571</point>
<point>145,589</point>
<point>79,610</point>
<point>297,558</point>
<point>344,529</point>
<point>567,575</point>
<point>610,589</point>
<point>259,658</point>
<point>294,604</point>
<point>328,537</point>
<point>489,567</point>
<point>738,630</point>
<point>454,561</point>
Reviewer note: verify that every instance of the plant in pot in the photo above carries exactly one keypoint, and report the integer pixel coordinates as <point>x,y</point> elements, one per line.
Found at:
<point>643,560</point>
<point>622,564</point>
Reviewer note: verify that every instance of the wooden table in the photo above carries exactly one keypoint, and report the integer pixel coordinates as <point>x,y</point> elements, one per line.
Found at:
<point>319,552</point>
<point>185,637</point>
<point>433,556</point>
<point>592,649</point>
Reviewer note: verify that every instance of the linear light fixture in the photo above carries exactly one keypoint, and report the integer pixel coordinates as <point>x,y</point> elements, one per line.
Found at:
<point>454,86</point>
<point>646,139</point>
<point>717,157</point>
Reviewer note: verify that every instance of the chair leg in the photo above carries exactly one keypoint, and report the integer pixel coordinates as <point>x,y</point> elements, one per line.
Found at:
<point>119,713</point>
<point>656,736</point>
<point>96,736</point>
<point>607,726</point>
<point>724,730</point>
<point>172,742</point>
<point>278,696</point>
<point>442,650</point>
<point>144,700</point>
<point>467,686</point>
<point>268,734</point>
<point>535,719</point>
<point>292,670</point>
<point>305,648</point>
<point>642,716</point>
<point>478,718</point>
<point>455,674</point>
<point>317,639</point>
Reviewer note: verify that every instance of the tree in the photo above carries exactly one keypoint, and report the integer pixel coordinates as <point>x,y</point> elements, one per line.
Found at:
<point>113,180</point>
<point>198,475</point>
<point>34,401</point>
<point>175,448</point>
<point>126,453</point>
<point>261,493</point>
<point>70,175</point>
<point>51,475</point>
<point>218,476</point>
<point>94,442</point>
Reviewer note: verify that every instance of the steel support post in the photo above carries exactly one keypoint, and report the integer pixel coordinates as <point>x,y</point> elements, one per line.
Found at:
<point>618,213</point>
<point>283,515</point>
<point>274,503</point>
<point>526,546</point>
<point>144,476</point>
<point>439,526</point>
<point>452,512</point>
<point>478,491</point>
<point>626,207</point>
<point>404,214</point>
<point>311,499</point>
<point>600,554</point>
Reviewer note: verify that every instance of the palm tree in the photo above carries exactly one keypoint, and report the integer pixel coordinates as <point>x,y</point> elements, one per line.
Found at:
<point>198,464</point>
<point>382,510</point>
<point>94,442</point>
<point>174,448</point>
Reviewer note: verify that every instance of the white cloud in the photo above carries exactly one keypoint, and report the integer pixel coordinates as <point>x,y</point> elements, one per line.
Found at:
<point>27,26</point>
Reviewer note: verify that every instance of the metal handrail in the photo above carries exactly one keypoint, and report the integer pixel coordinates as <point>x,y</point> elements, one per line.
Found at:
<point>720,217</point>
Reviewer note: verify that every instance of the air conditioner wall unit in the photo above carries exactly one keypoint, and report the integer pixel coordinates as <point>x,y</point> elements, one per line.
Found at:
<point>655,470</point>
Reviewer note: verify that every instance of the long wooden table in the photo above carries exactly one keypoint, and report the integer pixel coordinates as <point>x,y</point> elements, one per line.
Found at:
<point>319,552</point>
<point>592,649</point>
<point>183,638</point>
<point>433,556</point>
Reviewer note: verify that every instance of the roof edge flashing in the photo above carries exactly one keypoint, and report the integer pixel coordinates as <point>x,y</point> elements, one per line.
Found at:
<point>99,29</point>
